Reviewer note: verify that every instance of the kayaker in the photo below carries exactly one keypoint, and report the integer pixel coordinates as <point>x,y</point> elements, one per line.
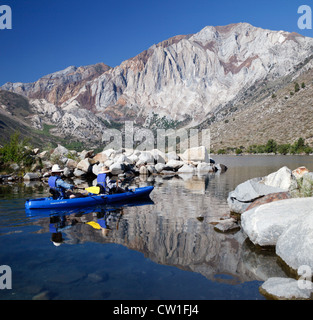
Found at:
<point>105,183</point>
<point>58,187</point>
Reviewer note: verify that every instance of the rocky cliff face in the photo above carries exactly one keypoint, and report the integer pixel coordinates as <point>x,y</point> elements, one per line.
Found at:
<point>185,79</point>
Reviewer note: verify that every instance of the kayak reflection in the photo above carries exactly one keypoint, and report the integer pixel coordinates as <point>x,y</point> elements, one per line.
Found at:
<point>100,218</point>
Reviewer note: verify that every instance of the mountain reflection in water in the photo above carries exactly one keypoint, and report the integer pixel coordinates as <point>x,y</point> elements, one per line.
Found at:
<point>165,249</point>
<point>173,230</point>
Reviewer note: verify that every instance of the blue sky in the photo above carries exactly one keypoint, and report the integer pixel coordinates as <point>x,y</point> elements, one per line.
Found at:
<point>48,36</point>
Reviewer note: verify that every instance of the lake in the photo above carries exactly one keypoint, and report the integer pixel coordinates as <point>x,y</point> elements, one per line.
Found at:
<point>165,249</point>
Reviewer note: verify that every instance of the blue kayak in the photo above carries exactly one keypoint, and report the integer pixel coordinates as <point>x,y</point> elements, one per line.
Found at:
<point>90,200</point>
<point>43,213</point>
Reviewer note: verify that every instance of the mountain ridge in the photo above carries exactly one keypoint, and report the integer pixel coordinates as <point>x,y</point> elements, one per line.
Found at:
<point>184,79</point>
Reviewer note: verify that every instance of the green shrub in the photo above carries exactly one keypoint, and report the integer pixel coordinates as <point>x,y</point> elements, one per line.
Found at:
<point>16,151</point>
<point>283,148</point>
<point>271,146</point>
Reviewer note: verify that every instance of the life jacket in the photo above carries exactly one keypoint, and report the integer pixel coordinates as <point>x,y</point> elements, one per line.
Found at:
<point>101,182</point>
<point>58,192</point>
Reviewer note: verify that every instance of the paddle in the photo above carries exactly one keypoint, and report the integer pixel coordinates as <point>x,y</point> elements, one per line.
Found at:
<point>95,190</point>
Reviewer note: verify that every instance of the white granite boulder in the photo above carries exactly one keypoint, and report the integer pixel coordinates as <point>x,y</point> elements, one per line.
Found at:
<point>283,179</point>
<point>266,223</point>
<point>295,244</point>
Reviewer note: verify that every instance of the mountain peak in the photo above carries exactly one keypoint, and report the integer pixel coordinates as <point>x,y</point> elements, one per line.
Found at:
<point>184,79</point>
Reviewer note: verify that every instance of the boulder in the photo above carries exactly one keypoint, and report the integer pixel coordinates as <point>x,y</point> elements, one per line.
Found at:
<point>110,153</point>
<point>36,151</point>
<point>283,179</point>
<point>101,157</point>
<point>31,176</point>
<point>86,154</point>
<point>299,172</point>
<point>84,165</point>
<point>71,164</point>
<point>266,223</point>
<point>96,168</point>
<point>60,150</point>
<point>295,244</point>
<point>175,164</point>
<point>79,173</point>
<point>133,158</point>
<point>205,167</point>
<point>159,167</point>
<point>196,154</point>
<point>123,159</point>
<point>285,289</point>
<point>44,155</point>
<point>247,192</point>
<point>269,198</point>
<point>159,156</point>
<point>227,225</point>
<point>220,167</point>
<point>68,172</point>
<point>186,168</point>
<point>63,159</point>
<point>145,157</point>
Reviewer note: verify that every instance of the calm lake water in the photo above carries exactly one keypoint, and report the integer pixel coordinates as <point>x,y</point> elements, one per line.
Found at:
<point>165,250</point>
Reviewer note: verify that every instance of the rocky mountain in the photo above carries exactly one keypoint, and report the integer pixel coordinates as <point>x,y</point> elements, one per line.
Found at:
<point>189,80</point>
<point>272,111</point>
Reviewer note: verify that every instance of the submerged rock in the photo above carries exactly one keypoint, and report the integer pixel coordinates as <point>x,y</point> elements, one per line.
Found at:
<point>227,225</point>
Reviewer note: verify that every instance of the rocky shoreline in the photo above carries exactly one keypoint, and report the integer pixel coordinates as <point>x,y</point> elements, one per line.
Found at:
<point>123,163</point>
<point>277,211</point>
